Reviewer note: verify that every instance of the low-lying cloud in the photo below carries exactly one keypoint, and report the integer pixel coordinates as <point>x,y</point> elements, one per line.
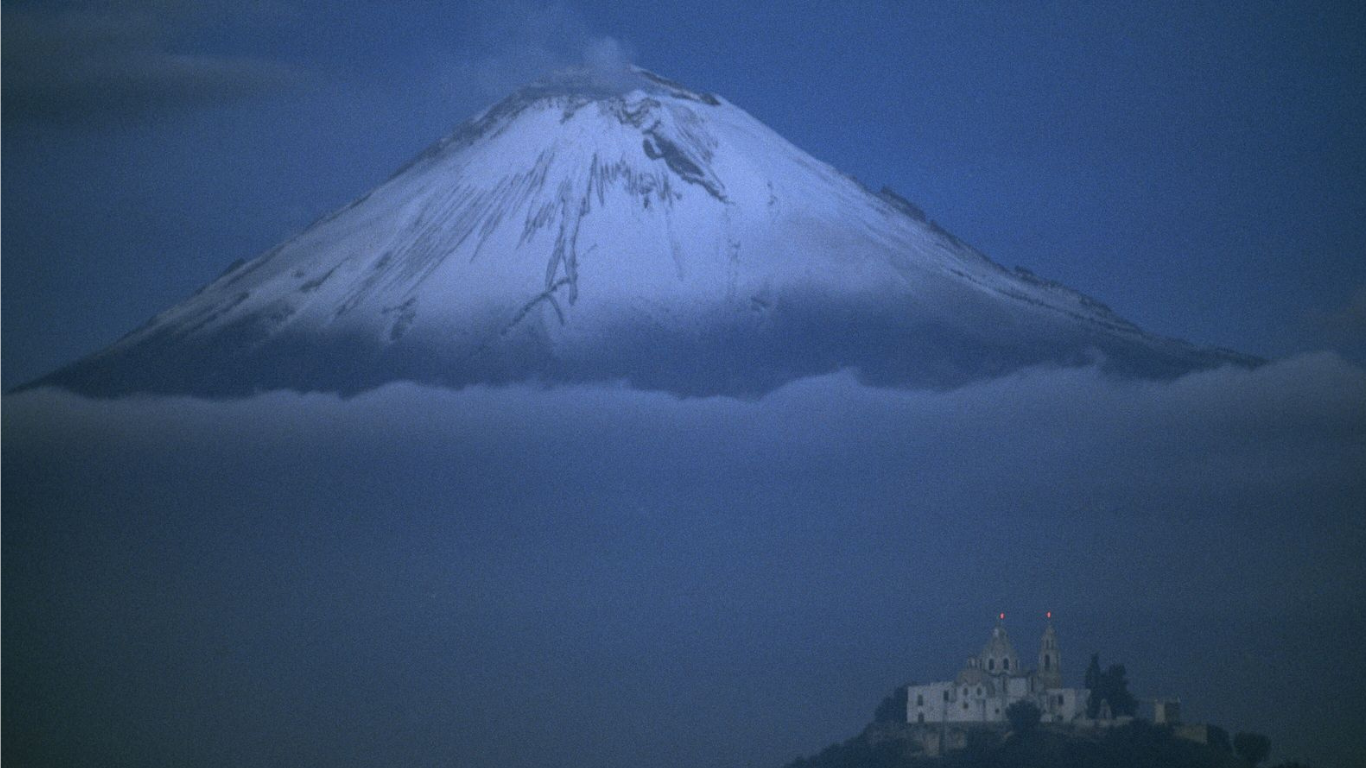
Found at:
<point>596,575</point>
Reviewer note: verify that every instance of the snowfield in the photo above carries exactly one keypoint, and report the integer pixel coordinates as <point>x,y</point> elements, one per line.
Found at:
<point>636,231</point>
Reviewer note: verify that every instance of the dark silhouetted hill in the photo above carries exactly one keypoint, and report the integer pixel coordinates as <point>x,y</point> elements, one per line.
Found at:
<point>1138,744</point>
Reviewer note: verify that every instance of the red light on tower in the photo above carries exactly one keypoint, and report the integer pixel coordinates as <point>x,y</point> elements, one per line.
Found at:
<point>1002,617</point>
<point>1049,614</point>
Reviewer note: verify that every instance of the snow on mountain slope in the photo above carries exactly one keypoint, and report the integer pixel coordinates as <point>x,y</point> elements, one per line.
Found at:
<point>639,231</point>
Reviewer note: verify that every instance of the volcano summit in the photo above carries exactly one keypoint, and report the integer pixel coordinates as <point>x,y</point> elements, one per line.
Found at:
<point>619,229</point>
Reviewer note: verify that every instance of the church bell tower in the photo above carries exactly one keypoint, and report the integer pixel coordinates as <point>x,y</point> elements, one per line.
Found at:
<point>1050,658</point>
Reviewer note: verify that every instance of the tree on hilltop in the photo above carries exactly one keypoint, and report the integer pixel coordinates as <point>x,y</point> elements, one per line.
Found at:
<point>1218,739</point>
<point>1116,686</point>
<point>893,708</point>
<point>1110,686</point>
<point>1093,685</point>
<point>1024,717</point>
<point>1093,671</point>
<point>1252,747</point>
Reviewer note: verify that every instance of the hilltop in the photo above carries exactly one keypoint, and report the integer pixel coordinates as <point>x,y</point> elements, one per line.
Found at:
<point>1138,744</point>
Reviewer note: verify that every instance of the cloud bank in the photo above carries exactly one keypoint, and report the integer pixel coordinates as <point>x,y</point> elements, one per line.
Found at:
<point>594,575</point>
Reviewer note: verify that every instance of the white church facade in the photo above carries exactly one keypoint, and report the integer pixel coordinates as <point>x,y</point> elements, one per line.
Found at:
<point>993,680</point>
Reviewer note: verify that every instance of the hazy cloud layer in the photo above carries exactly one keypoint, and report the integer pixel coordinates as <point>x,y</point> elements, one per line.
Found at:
<point>85,61</point>
<point>589,575</point>
<point>1344,327</point>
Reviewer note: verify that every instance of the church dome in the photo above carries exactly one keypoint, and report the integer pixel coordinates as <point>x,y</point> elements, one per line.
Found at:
<point>998,657</point>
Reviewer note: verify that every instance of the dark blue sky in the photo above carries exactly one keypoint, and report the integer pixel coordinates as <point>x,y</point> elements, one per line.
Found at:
<point>1201,168</point>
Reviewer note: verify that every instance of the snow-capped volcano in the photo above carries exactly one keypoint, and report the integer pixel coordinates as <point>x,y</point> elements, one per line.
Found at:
<point>630,229</point>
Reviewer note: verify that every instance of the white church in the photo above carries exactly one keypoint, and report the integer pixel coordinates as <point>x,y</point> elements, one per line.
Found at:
<point>993,680</point>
